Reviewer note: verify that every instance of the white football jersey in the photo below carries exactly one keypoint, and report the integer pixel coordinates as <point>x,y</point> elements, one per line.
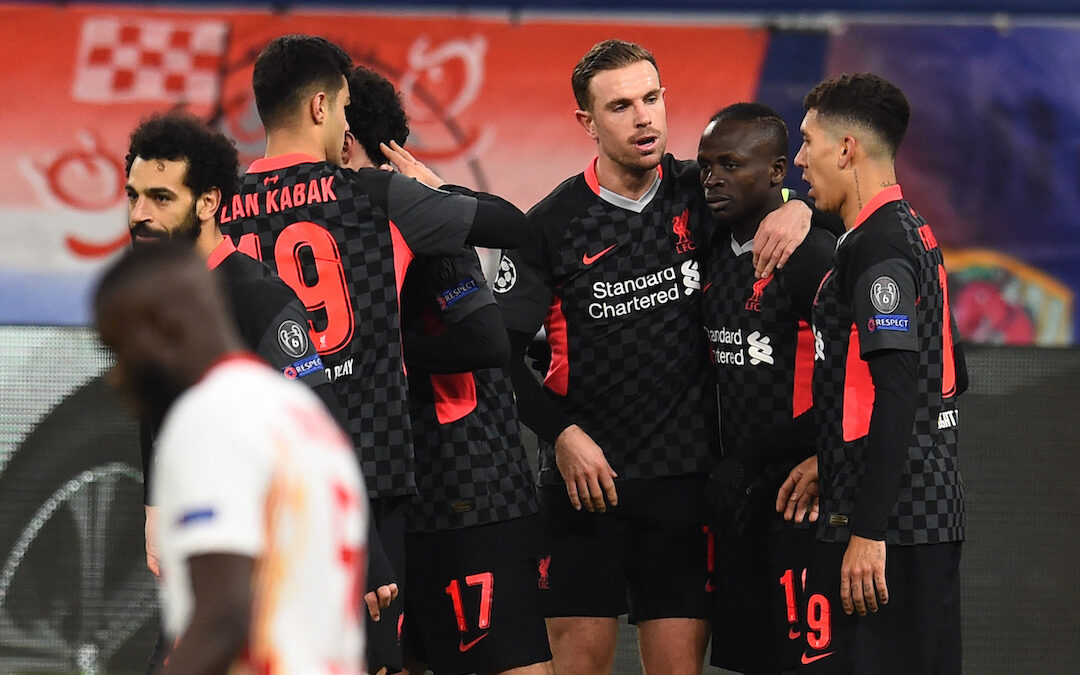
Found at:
<point>250,463</point>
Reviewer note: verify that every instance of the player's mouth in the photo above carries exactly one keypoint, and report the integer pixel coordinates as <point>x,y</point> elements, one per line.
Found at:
<point>646,144</point>
<point>142,234</point>
<point>717,202</point>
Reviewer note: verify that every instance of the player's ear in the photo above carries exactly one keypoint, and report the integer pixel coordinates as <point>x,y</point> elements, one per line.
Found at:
<point>206,206</point>
<point>318,107</point>
<point>586,120</point>
<point>847,151</point>
<point>778,171</point>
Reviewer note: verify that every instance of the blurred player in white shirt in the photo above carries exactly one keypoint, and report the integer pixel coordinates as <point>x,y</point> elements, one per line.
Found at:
<point>261,520</point>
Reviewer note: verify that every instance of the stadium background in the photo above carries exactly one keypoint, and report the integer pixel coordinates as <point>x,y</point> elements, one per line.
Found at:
<point>992,159</point>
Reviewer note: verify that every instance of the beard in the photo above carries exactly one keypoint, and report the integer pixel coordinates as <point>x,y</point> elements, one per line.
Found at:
<point>187,232</point>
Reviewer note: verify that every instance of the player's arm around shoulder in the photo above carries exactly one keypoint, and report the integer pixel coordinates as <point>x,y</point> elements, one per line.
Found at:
<point>435,214</point>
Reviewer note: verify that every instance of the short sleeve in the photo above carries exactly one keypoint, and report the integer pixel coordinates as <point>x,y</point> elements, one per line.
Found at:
<point>210,483</point>
<point>286,345</point>
<point>884,306</point>
<point>457,285</point>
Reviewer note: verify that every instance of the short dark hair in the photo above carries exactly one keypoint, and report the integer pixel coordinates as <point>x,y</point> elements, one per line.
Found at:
<point>290,69</point>
<point>607,55</point>
<point>761,116</point>
<point>375,114</point>
<point>865,99</point>
<point>211,155</point>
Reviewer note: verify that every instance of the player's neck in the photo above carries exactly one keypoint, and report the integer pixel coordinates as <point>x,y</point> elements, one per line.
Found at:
<point>867,180</point>
<point>623,181</point>
<point>744,231</point>
<point>287,141</point>
<point>209,238</point>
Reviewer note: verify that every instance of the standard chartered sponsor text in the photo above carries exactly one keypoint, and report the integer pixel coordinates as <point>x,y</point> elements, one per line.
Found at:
<point>611,290</point>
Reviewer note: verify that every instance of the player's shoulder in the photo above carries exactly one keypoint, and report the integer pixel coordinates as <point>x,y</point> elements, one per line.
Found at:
<point>252,284</point>
<point>683,172</point>
<point>570,199</point>
<point>819,241</point>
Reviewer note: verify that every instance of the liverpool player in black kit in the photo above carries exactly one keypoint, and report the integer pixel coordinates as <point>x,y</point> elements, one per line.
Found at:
<point>472,530</point>
<point>343,240</point>
<point>611,271</point>
<point>761,346</point>
<point>179,172</point>
<point>885,387</point>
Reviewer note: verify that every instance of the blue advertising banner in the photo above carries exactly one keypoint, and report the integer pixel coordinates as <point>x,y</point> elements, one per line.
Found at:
<point>992,159</point>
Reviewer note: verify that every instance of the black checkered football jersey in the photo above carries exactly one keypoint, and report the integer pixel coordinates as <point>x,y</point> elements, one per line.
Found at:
<point>471,466</point>
<point>887,290</point>
<point>619,295</point>
<point>272,323</point>
<point>759,335</point>
<point>342,240</point>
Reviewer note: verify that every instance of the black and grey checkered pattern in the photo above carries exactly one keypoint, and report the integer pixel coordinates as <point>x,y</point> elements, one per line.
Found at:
<point>638,382</point>
<point>930,506</point>
<point>756,334</point>
<point>367,370</point>
<point>474,470</point>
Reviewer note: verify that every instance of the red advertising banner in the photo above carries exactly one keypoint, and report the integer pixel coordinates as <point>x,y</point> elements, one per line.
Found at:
<point>489,102</point>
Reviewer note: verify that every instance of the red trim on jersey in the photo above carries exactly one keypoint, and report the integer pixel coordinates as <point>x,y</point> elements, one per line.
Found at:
<point>948,366</point>
<point>229,357</point>
<point>455,396</point>
<point>558,374</point>
<point>281,162</point>
<point>858,391</point>
<point>590,176</point>
<point>889,194</point>
<point>593,181</point>
<point>803,395</point>
<point>403,255</point>
<point>220,252</point>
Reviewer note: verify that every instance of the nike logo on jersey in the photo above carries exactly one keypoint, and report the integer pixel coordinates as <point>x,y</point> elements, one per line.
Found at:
<point>590,259</point>
<point>466,646</point>
<point>793,634</point>
<point>807,659</point>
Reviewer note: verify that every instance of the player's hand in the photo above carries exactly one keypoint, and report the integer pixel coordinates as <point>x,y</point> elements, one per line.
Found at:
<point>779,234</point>
<point>588,476</point>
<point>862,576</point>
<point>151,543</point>
<point>797,498</point>
<point>403,161</point>
<point>380,599</point>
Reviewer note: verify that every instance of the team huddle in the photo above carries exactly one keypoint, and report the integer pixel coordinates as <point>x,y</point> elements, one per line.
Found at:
<point>746,408</point>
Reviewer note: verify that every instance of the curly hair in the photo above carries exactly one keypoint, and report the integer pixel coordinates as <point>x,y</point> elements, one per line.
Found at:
<point>290,69</point>
<point>375,113</point>
<point>211,156</point>
<point>864,99</point>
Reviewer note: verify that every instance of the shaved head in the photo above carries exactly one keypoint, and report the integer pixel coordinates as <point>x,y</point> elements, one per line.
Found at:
<point>165,319</point>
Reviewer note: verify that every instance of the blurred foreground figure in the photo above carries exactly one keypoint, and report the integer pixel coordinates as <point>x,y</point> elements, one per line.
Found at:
<point>261,506</point>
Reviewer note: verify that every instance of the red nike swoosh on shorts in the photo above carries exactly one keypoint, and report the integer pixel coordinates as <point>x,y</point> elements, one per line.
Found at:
<point>806,660</point>
<point>466,646</point>
<point>590,259</point>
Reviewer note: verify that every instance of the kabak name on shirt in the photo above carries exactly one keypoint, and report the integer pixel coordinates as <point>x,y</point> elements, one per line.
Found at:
<point>248,205</point>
